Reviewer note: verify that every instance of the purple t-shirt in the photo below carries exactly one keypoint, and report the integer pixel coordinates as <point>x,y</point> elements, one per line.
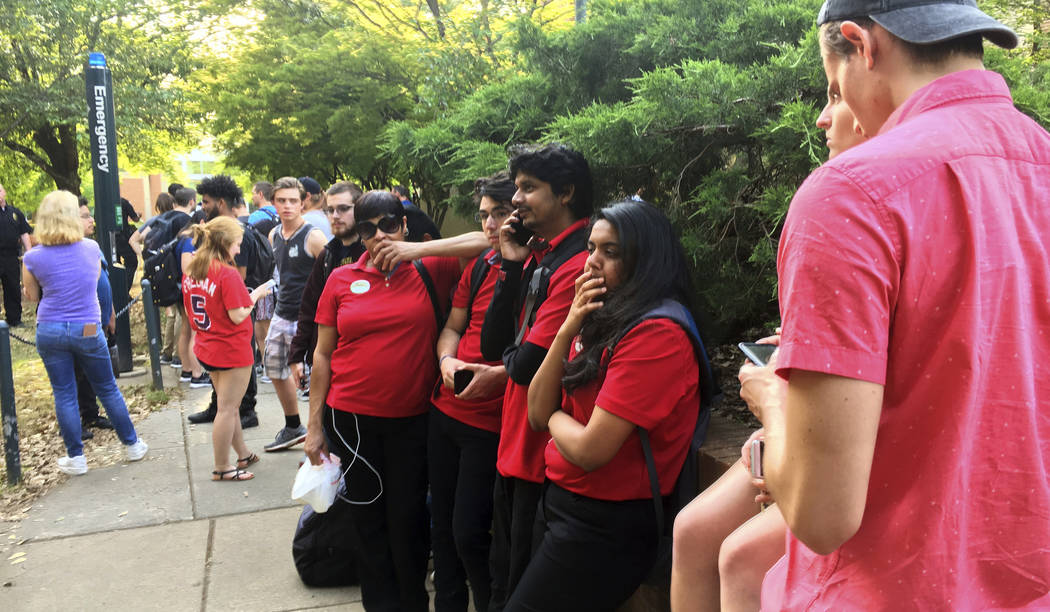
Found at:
<point>68,276</point>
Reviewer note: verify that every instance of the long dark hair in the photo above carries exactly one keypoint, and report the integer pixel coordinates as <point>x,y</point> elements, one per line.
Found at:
<point>653,269</point>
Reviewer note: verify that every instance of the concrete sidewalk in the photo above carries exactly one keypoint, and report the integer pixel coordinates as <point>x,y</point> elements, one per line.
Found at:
<point>160,535</point>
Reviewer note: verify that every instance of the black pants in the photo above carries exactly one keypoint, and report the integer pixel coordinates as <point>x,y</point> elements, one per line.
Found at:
<point>514,534</point>
<point>392,530</point>
<point>10,281</point>
<point>593,556</point>
<point>461,461</point>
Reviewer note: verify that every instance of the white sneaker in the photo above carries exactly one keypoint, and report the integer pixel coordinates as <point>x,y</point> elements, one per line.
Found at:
<point>137,450</point>
<point>73,465</point>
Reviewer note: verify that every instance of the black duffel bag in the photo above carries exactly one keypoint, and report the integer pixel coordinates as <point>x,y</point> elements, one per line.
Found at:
<point>323,545</point>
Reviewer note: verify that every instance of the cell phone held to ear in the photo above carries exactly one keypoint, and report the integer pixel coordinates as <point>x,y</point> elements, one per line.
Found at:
<point>521,234</point>
<point>461,379</point>
<point>759,354</point>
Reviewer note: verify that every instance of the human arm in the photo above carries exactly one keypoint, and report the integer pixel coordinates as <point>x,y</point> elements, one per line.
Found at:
<point>448,344</point>
<point>30,286</point>
<point>820,432</point>
<point>463,246</point>
<point>320,381</point>
<point>306,329</point>
<point>137,239</point>
<point>315,242</point>
<point>544,397</point>
<point>26,242</point>
<point>240,313</point>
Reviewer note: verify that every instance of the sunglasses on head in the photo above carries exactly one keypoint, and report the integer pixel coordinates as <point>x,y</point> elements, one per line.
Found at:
<point>390,224</point>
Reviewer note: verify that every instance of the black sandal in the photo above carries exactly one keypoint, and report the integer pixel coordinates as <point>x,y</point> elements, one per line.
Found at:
<point>234,475</point>
<point>246,461</point>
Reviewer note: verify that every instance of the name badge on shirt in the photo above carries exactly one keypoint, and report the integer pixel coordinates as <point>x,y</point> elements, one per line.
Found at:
<point>360,286</point>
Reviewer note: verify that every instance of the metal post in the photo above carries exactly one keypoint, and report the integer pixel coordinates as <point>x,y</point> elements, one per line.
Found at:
<point>7,408</point>
<point>154,334</point>
<point>102,138</point>
<point>120,301</point>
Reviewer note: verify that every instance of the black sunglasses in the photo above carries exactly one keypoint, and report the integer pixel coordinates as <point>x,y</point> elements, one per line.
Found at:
<point>390,224</point>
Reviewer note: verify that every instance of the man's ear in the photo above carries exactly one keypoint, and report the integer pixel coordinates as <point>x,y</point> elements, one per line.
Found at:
<point>862,40</point>
<point>567,196</point>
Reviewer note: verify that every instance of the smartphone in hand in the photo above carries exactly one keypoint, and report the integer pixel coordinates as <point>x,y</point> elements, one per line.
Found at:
<point>759,354</point>
<point>461,379</point>
<point>757,446</point>
<point>521,234</point>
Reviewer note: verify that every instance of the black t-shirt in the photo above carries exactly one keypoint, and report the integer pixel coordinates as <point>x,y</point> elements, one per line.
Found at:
<point>12,225</point>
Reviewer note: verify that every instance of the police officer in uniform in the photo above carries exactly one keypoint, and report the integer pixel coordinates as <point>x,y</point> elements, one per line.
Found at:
<point>14,229</point>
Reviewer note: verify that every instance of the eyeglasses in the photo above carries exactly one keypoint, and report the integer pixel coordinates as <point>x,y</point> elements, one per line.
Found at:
<point>390,224</point>
<point>500,214</point>
<point>339,210</point>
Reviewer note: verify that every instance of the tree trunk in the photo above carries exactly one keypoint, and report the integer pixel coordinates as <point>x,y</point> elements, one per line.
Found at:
<point>61,163</point>
<point>434,8</point>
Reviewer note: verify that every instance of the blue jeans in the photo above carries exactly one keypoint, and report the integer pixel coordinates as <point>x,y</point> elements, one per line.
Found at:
<point>59,344</point>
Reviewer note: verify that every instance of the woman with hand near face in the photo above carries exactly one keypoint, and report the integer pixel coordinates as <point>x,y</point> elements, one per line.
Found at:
<point>600,536</point>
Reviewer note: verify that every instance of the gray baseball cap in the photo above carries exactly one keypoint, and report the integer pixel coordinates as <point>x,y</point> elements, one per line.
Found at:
<point>922,21</point>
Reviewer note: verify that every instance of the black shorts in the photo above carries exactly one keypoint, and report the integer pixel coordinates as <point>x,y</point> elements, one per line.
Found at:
<point>211,368</point>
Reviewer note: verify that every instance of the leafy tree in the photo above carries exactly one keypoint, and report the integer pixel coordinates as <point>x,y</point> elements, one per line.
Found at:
<point>44,49</point>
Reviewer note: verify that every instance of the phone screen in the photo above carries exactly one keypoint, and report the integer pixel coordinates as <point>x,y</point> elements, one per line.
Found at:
<point>759,354</point>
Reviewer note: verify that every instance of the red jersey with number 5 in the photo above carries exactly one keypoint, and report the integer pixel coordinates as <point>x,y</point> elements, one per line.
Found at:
<point>219,342</point>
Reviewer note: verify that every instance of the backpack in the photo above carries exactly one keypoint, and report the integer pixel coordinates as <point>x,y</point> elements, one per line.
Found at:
<point>687,486</point>
<point>322,546</point>
<point>477,277</point>
<point>265,226</point>
<point>536,292</point>
<point>260,269</point>
<point>439,313</point>
<point>163,270</point>
<point>164,229</point>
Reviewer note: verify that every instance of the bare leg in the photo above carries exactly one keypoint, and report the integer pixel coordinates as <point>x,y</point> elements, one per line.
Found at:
<point>189,360</point>
<point>230,386</point>
<point>285,388</point>
<point>261,329</point>
<point>746,556</point>
<point>699,531</point>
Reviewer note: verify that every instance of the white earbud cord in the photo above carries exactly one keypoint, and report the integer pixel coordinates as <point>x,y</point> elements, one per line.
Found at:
<point>356,456</point>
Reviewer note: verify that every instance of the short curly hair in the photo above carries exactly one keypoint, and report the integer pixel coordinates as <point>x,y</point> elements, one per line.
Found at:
<point>220,187</point>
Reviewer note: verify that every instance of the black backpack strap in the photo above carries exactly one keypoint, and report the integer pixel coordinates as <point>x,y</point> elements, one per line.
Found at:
<point>574,243</point>
<point>654,480</point>
<point>428,282</point>
<point>477,278</point>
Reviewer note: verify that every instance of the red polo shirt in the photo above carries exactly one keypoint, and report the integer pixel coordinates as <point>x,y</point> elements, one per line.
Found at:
<point>384,363</point>
<point>520,448</point>
<point>651,382</point>
<point>482,413</point>
<point>218,341</point>
<point>918,260</point>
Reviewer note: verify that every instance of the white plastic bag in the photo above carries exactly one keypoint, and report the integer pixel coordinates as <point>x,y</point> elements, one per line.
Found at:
<point>317,484</point>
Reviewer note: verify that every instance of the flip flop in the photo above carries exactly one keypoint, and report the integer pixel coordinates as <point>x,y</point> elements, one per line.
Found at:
<point>236,474</point>
<point>246,461</point>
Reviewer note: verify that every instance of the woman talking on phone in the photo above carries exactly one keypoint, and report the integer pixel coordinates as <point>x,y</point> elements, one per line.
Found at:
<point>600,536</point>
<point>217,306</point>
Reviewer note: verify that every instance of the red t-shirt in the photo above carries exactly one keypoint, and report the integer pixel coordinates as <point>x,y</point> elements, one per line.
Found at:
<point>521,448</point>
<point>651,381</point>
<point>384,362</point>
<point>482,413</point>
<point>918,260</point>
<point>219,342</point>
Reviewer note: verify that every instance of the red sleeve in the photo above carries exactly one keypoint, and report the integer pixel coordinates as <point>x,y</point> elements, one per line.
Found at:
<point>328,304</point>
<point>560,293</point>
<point>462,294</point>
<point>234,293</point>
<point>446,272</point>
<point>653,367</point>
<point>839,279</point>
